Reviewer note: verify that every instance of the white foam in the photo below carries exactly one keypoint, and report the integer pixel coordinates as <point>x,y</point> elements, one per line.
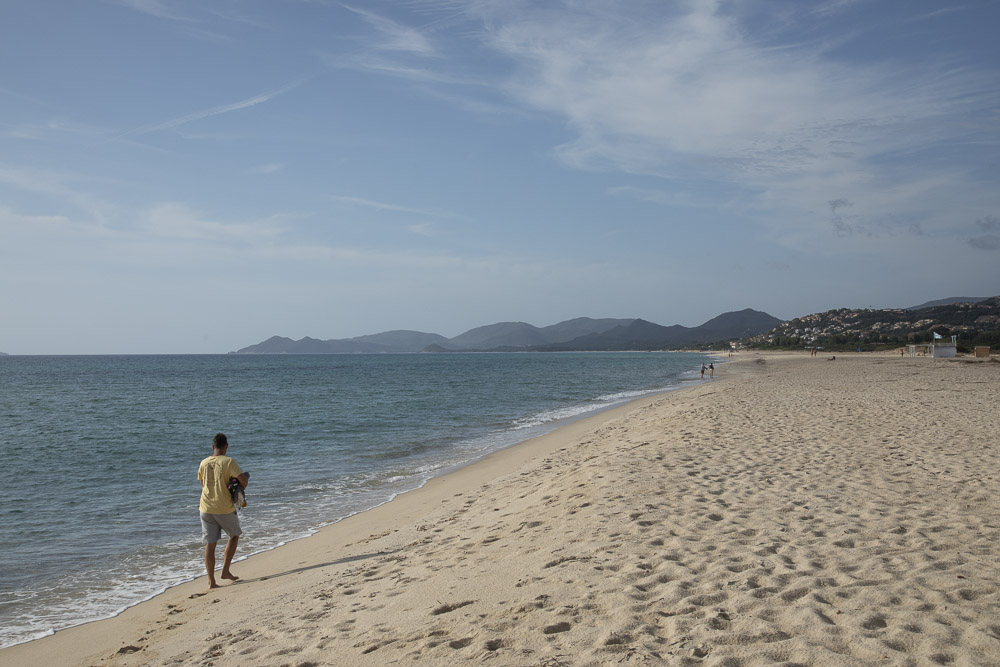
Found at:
<point>596,405</point>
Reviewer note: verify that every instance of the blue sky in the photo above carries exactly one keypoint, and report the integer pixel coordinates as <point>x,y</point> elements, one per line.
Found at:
<point>189,176</point>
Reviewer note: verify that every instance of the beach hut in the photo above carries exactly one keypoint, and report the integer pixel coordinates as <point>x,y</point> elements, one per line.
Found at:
<point>942,350</point>
<point>981,351</point>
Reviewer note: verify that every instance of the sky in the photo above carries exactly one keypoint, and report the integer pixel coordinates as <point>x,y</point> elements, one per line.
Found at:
<point>192,176</point>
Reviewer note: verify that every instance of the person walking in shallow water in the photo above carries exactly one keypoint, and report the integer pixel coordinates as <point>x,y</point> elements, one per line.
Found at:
<point>216,507</point>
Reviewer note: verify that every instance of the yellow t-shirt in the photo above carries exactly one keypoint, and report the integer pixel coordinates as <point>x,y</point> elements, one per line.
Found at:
<point>214,473</point>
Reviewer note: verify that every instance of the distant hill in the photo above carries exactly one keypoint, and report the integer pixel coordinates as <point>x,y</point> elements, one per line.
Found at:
<point>973,322</point>
<point>582,333</point>
<point>643,335</point>
<point>738,324</point>
<point>636,335</point>
<point>949,301</point>
<point>976,321</point>
<point>581,326</point>
<point>523,335</point>
<point>389,342</point>
<point>401,340</point>
<point>503,335</point>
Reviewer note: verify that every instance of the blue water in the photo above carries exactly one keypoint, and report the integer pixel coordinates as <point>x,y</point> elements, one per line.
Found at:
<point>99,501</point>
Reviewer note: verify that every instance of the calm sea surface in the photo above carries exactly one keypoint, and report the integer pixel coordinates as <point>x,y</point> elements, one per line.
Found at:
<point>99,497</point>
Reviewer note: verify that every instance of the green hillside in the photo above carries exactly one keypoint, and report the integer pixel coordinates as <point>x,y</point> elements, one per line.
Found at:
<point>845,328</point>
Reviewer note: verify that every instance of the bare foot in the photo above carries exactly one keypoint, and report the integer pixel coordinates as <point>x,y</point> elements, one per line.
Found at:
<point>230,576</point>
<point>212,584</point>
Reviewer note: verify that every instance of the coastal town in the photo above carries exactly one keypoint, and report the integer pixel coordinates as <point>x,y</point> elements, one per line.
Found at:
<point>974,323</point>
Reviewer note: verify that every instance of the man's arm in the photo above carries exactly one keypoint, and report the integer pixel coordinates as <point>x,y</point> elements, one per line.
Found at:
<point>244,479</point>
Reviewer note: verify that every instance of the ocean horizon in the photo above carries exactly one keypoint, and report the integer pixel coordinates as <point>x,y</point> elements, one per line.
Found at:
<point>100,508</point>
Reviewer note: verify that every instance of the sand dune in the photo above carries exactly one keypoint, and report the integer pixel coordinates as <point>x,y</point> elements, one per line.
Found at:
<point>793,511</point>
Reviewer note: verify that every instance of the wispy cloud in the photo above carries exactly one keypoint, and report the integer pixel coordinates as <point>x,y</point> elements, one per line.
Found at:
<point>153,8</point>
<point>989,222</point>
<point>428,54</point>
<point>21,96</point>
<point>271,168</point>
<point>396,36</point>
<point>213,111</point>
<point>938,12</point>
<point>842,221</point>
<point>13,223</point>
<point>679,195</point>
<point>63,188</point>
<point>834,6</point>
<point>196,26</point>
<point>178,221</point>
<point>174,233</point>
<point>691,93</point>
<point>689,87</point>
<point>369,203</point>
<point>986,242</point>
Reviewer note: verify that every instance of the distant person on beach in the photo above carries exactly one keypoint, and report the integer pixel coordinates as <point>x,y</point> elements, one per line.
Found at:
<point>703,369</point>
<point>217,510</point>
<point>711,371</point>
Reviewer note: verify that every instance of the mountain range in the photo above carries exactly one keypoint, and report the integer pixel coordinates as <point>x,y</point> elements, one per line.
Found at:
<point>582,333</point>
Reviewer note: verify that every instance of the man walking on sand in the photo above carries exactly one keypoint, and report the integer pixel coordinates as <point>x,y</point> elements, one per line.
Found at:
<point>217,510</point>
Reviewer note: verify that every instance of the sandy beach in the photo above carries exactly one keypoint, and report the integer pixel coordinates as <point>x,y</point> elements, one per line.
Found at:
<point>792,511</point>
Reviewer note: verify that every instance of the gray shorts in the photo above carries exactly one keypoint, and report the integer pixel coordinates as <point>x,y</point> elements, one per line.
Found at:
<point>212,526</point>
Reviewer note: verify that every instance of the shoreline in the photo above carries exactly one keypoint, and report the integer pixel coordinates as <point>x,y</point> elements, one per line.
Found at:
<point>798,511</point>
<point>31,618</point>
<point>444,479</point>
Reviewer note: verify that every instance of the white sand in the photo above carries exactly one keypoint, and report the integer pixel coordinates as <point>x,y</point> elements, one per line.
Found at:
<point>794,511</point>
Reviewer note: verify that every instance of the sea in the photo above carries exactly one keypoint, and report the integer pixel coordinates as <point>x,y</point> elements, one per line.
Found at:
<point>99,490</point>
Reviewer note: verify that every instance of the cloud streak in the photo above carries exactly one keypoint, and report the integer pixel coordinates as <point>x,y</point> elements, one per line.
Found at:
<point>177,221</point>
<point>395,36</point>
<point>213,111</point>
<point>154,8</point>
<point>383,206</point>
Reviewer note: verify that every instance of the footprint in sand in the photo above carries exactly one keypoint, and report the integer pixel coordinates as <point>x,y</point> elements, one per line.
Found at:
<point>556,628</point>
<point>446,608</point>
<point>875,623</point>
